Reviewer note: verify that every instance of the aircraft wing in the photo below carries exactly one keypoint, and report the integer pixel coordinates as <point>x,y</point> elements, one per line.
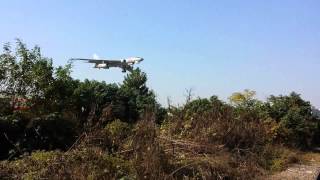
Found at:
<point>98,61</point>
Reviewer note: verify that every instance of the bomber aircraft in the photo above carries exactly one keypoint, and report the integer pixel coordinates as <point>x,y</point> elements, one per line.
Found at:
<point>125,64</point>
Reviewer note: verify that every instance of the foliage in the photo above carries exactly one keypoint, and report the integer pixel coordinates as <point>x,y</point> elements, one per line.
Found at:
<point>149,159</point>
<point>198,106</point>
<point>85,164</point>
<point>278,158</point>
<point>134,97</point>
<point>297,125</point>
<point>21,135</point>
<point>117,131</point>
<point>97,130</point>
<point>60,107</point>
<point>46,133</point>
<point>26,74</point>
<point>242,98</point>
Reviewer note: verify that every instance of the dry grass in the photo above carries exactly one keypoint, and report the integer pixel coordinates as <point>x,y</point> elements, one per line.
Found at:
<point>310,157</point>
<point>213,145</point>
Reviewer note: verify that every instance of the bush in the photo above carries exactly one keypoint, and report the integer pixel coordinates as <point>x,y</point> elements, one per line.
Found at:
<point>84,164</point>
<point>49,133</point>
<point>149,159</point>
<point>12,128</point>
<point>22,135</point>
<point>117,132</point>
<point>277,158</point>
<point>296,125</point>
<point>211,121</point>
<point>6,107</point>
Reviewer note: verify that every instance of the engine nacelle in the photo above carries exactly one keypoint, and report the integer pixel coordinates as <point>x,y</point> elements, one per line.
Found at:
<point>103,65</point>
<point>134,60</point>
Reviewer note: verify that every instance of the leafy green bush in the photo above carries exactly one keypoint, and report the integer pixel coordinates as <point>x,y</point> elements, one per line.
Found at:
<point>297,125</point>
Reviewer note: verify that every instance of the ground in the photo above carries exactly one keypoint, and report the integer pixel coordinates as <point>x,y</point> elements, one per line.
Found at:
<point>309,169</point>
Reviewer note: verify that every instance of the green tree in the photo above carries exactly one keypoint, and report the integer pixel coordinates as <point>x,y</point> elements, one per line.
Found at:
<point>90,97</point>
<point>26,74</point>
<point>297,125</point>
<point>134,97</point>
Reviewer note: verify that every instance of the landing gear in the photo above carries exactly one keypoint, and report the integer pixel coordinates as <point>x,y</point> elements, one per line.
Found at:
<point>124,69</point>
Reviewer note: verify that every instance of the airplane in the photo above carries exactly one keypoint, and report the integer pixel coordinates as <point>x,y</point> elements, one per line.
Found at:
<point>125,64</point>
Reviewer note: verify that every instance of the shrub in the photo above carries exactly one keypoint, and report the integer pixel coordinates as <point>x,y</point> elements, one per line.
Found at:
<point>297,125</point>
<point>149,159</point>
<point>84,164</point>
<point>6,107</point>
<point>21,135</point>
<point>12,128</point>
<point>48,133</point>
<point>117,131</point>
<point>277,157</point>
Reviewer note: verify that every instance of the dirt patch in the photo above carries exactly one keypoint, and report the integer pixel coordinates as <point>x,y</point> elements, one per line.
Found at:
<point>299,172</point>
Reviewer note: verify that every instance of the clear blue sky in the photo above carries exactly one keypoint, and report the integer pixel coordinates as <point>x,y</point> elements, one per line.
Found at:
<point>214,47</point>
